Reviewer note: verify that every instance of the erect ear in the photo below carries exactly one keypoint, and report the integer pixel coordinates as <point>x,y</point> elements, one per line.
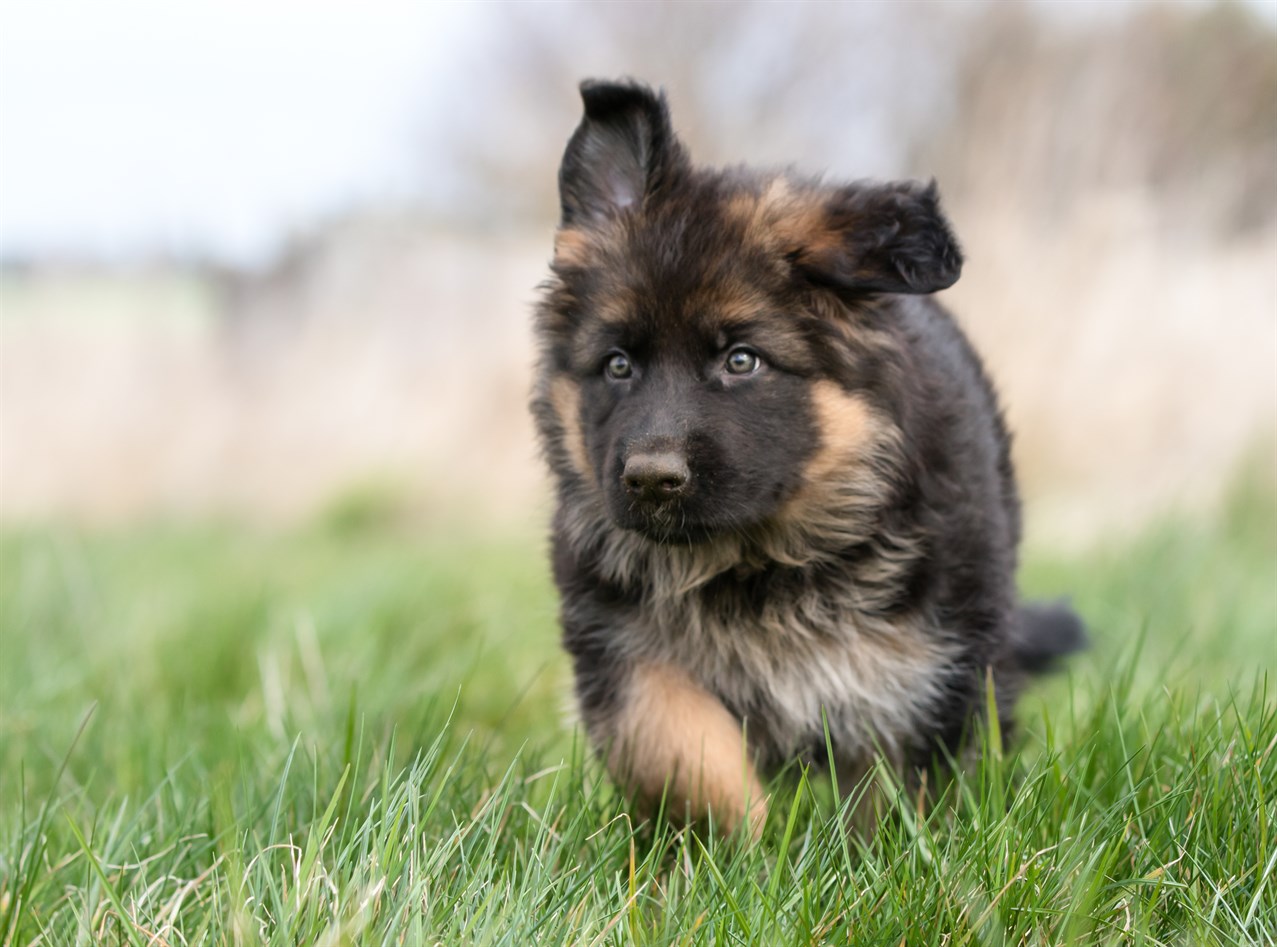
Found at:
<point>881,238</point>
<point>622,150</point>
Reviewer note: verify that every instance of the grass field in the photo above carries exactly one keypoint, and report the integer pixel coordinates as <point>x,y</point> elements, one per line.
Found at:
<point>353,734</point>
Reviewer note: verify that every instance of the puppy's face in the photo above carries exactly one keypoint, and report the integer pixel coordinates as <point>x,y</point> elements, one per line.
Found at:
<point>694,377</point>
<point>701,355</point>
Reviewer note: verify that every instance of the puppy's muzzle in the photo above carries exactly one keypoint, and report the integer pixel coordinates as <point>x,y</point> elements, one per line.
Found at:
<point>656,477</point>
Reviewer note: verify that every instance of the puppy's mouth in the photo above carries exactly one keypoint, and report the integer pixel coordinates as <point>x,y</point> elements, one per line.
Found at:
<point>668,523</point>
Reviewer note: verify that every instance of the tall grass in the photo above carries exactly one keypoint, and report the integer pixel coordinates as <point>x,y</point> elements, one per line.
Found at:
<point>353,735</point>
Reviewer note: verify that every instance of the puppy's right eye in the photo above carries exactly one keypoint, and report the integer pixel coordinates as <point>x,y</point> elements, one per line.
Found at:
<point>618,366</point>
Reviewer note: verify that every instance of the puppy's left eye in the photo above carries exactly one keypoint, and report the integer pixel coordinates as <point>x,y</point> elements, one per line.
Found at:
<point>742,361</point>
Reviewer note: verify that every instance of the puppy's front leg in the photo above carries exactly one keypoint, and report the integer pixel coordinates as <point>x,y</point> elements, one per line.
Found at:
<point>671,736</point>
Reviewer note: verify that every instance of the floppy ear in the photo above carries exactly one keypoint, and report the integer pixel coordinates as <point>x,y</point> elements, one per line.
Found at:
<point>882,238</point>
<point>621,151</point>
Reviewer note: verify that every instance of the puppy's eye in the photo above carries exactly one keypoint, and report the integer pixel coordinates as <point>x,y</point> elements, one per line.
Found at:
<point>618,366</point>
<point>742,361</point>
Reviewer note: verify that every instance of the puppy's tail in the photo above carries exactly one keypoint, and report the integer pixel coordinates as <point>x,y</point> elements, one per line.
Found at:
<point>1045,632</point>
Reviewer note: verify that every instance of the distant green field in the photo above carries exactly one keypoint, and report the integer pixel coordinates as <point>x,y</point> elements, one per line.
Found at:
<point>354,734</point>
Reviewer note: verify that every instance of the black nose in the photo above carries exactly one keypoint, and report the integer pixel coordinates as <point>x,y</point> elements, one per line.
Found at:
<point>656,477</point>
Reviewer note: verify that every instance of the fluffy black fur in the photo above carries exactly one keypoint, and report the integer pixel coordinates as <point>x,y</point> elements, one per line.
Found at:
<point>780,467</point>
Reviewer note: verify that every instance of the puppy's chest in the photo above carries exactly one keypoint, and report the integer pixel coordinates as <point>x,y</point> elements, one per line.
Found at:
<point>791,664</point>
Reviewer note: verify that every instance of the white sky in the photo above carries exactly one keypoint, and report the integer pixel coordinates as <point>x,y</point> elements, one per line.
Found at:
<point>142,126</point>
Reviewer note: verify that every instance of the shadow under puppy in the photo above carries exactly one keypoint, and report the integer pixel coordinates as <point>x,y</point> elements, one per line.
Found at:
<point>784,487</point>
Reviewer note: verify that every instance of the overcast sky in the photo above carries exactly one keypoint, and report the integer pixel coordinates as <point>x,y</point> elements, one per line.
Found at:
<point>149,125</point>
<point>143,126</point>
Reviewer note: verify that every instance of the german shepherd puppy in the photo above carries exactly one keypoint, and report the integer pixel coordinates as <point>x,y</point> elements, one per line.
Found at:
<point>785,493</point>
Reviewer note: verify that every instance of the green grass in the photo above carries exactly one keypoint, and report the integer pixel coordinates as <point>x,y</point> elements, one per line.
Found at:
<point>353,734</point>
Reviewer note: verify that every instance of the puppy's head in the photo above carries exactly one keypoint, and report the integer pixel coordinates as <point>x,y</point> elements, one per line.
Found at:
<point>711,347</point>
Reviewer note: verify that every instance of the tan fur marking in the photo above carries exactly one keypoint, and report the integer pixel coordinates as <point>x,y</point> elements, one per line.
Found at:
<point>674,737</point>
<point>732,301</point>
<point>571,248</point>
<point>795,221</point>
<point>850,432</point>
<point>761,210</point>
<point>742,307</point>
<point>846,424</point>
<point>778,192</point>
<point>787,221</point>
<point>742,206</point>
<point>565,396</point>
<point>615,307</point>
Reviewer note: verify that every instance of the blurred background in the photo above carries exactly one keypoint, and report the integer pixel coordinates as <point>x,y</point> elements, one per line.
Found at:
<point>272,261</point>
